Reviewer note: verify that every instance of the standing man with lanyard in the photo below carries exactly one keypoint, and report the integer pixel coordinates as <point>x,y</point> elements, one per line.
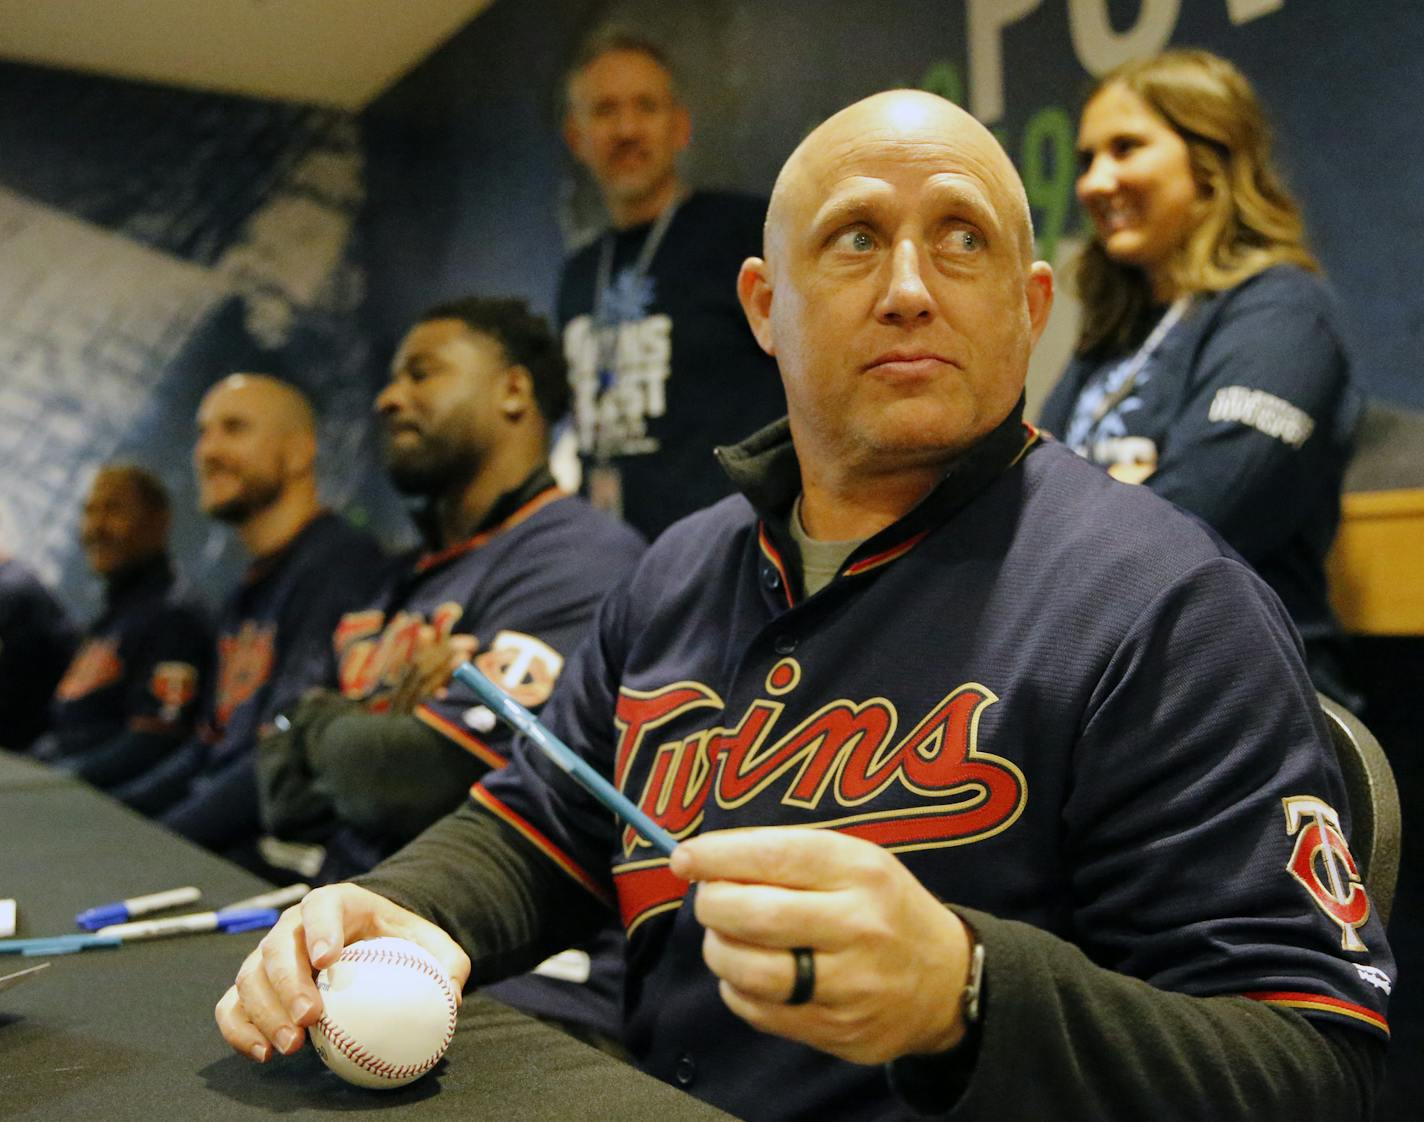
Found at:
<point>661,363</point>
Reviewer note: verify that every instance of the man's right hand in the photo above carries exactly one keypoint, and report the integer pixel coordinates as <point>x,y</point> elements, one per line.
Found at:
<point>275,997</point>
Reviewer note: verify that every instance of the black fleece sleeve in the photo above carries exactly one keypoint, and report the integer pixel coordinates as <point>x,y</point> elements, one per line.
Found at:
<point>1063,1038</point>
<point>388,775</point>
<point>497,895</point>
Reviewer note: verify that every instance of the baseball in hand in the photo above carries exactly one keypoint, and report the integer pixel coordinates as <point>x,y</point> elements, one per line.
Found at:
<point>388,1013</point>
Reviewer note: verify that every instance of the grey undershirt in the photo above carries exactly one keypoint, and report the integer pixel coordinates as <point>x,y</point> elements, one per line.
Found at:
<point>820,561</point>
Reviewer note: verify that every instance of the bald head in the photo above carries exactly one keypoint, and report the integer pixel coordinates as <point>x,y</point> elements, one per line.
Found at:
<point>256,444</point>
<point>283,406</point>
<point>908,120</point>
<point>898,290</point>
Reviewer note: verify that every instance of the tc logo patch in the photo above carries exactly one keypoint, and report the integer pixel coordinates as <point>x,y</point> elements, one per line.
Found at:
<point>525,667</point>
<point>1322,863</point>
<point>174,684</point>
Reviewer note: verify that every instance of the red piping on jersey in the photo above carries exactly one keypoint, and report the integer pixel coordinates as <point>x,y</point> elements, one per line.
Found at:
<point>646,890</point>
<point>533,506</point>
<point>865,564</point>
<point>1321,1003</point>
<point>543,844</point>
<point>775,558</point>
<point>895,552</point>
<point>471,744</point>
<point>1032,438</point>
<point>153,724</point>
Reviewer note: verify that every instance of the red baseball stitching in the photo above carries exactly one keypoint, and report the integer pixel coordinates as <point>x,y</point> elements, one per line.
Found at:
<point>358,1055</point>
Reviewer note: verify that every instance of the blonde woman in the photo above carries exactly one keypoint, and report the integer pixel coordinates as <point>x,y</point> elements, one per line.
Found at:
<point>1210,366</point>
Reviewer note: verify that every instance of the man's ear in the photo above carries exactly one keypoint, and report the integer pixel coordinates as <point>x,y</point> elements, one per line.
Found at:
<point>754,292</point>
<point>1038,289</point>
<point>516,392</point>
<point>682,135</point>
<point>299,454</point>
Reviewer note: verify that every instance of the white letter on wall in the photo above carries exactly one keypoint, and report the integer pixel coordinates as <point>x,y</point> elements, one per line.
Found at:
<point>1099,48</point>
<point>1244,11</point>
<point>986,53</point>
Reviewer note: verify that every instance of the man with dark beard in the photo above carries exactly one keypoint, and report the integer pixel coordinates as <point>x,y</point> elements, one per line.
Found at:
<point>512,573</point>
<point>255,460</point>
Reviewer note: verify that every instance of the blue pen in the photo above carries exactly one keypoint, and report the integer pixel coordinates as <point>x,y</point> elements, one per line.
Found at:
<point>121,911</point>
<point>521,720</point>
<point>229,920</point>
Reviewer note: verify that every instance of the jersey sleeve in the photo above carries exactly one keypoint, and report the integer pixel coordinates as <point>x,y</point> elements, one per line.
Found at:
<point>542,804</point>
<point>526,628</point>
<point>1260,428</point>
<point>169,670</point>
<point>1207,832</point>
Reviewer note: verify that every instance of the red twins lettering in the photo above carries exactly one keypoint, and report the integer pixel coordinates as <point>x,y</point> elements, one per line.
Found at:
<point>843,756</point>
<point>245,663</point>
<point>371,658</point>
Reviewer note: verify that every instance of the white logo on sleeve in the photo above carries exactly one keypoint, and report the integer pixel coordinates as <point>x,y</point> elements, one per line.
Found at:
<point>526,668</point>
<point>1375,977</point>
<point>1262,411</point>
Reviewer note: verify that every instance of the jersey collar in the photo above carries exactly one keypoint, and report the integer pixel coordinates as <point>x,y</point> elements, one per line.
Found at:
<point>510,509</point>
<point>765,469</point>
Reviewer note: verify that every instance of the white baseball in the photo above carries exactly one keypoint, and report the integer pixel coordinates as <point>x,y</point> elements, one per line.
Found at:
<point>388,1013</point>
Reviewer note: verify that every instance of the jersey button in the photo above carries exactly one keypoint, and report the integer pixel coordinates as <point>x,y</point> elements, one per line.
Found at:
<point>771,578</point>
<point>784,644</point>
<point>685,1071</point>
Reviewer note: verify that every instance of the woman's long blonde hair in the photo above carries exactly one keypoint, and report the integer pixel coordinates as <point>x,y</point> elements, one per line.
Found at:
<point>1251,221</point>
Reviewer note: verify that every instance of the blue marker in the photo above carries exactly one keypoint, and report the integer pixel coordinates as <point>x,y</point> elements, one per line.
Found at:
<point>521,720</point>
<point>229,920</point>
<point>121,911</point>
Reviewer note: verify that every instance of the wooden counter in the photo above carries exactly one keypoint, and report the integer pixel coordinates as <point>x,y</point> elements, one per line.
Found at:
<point>1376,568</point>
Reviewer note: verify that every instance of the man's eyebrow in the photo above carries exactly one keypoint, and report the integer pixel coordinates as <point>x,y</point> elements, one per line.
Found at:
<point>858,204</point>
<point>961,195</point>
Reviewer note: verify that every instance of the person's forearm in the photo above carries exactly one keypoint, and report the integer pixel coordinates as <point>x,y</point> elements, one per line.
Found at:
<point>1103,1046</point>
<point>390,776</point>
<point>498,896</point>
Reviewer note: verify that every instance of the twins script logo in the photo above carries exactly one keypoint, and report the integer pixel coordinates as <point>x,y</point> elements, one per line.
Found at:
<point>95,666</point>
<point>373,655</point>
<point>926,788</point>
<point>244,664</point>
<point>1321,861</point>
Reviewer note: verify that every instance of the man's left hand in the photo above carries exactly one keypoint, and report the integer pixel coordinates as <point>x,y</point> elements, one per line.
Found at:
<point>432,660</point>
<point>891,961</point>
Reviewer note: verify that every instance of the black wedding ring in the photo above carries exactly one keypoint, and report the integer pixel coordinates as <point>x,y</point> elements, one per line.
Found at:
<point>805,984</point>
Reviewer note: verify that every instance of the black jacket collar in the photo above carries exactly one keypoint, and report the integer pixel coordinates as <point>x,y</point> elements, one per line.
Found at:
<point>765,469</point>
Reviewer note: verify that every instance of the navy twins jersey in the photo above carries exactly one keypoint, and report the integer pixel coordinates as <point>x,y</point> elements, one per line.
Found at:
<point>526,588</point>
<point>285,608</point>
<point>1102,733</point>
<point>281,614</point>
<point>139,678</point>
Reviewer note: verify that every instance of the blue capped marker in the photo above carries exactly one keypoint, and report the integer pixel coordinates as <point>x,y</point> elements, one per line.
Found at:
<point>121,911</point>
<point>229,921</point>
<point>565,758</point>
